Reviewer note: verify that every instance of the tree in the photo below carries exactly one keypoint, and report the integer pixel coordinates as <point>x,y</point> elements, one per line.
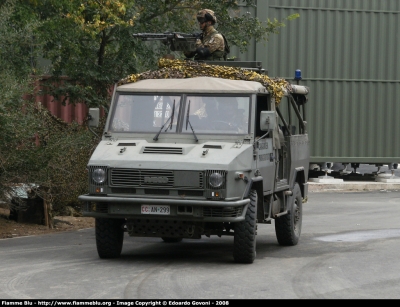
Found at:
<point>15,79</point>
<point>36,149</point>
<point>90,41</point>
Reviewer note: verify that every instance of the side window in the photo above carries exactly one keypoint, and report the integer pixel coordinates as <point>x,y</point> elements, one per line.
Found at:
<point>292,118</point>
<point>291,121</point>
<point>287,122</point>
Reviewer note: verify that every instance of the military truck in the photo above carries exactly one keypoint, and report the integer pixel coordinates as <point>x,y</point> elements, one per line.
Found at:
<point>188,158</point>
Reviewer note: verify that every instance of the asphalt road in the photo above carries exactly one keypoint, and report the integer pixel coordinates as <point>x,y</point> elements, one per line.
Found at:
<point>349,249</point>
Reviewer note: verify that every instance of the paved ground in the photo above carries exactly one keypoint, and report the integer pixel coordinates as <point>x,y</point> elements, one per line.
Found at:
<point>352,186</point>
<point>349,249</point>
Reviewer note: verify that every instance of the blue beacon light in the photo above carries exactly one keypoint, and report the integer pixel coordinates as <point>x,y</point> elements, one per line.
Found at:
<point>297,74</point>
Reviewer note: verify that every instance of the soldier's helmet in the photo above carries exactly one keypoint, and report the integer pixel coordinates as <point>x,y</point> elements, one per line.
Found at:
<point>206,15</point>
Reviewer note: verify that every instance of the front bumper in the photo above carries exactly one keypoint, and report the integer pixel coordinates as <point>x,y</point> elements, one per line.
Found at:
<point>180,209</point>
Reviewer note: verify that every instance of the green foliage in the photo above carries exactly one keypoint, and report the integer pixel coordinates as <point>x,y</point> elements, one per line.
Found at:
<point>43,150</point>
<point>35,147</point>
<point>90,41</point>
<point>19,47</point>
<point>90,47</point>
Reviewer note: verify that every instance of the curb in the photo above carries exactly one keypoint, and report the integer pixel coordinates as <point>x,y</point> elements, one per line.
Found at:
<point>352,186</point>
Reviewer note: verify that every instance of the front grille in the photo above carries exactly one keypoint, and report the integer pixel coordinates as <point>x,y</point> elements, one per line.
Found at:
<point>126,177</point>
<point>141,178</point>
<point>157,178</point>
<point>222,212</point>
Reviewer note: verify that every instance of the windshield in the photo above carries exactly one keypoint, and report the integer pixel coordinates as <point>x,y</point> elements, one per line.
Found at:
<point>145,113</point>
<point>214,114</point>
<point>199,114</point>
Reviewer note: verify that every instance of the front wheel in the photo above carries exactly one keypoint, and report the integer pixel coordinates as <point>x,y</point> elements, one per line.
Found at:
<point>288,227</point>
<point>109,237</point>
<point>244,242</point>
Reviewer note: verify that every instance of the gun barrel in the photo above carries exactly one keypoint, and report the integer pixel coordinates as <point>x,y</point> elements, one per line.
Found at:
<point>177,41</point>
<point>154,39</point>
<point>153,35</point>
<point>166,35</point>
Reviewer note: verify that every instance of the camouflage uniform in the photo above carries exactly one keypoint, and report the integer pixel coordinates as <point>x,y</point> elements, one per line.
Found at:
<point>211,44</point>
<point>214,42</point>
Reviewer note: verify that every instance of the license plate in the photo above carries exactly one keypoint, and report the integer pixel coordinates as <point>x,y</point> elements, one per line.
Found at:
<point>155,209</point>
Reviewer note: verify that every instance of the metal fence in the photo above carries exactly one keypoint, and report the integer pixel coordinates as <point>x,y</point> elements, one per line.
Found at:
<point>348,52</point>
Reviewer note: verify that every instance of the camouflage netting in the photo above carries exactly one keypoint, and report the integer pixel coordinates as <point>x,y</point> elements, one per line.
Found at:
<point>46,152</point>
<point>189,69</point>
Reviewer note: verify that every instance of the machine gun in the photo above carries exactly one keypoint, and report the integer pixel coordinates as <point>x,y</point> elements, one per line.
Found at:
<point>186,42</point>
<point>176,41</point>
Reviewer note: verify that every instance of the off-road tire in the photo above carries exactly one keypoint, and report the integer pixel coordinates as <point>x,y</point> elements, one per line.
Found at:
<point>171,239</point>
<point>288,227</point>
<point>244,242</point>
<point>109,237</point>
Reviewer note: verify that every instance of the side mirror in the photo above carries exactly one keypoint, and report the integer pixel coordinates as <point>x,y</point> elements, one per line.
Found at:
<point>94,117</point>
<point>267,120</point>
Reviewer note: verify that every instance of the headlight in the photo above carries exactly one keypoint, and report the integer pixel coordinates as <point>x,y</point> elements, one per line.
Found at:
<point>99,175</point>
<point>216,180</point>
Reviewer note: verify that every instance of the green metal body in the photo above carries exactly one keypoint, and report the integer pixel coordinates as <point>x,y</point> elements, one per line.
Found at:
<point>172,168</point>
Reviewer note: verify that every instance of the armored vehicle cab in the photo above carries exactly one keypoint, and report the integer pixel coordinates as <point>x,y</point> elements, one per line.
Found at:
<point>194,157</point>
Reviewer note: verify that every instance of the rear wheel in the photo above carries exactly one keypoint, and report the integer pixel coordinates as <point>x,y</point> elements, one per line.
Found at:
<point>244,244</point>
<point>171,239</point>
<point>288,227</point>
<point>109,237</point>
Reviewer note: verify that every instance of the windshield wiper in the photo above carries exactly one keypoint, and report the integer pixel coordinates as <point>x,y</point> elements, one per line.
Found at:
<point>188,122</point>
<point>171,118</point>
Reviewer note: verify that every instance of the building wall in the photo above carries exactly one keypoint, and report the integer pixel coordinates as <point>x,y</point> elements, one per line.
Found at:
<point>69,112</point>
<point>348,52</point>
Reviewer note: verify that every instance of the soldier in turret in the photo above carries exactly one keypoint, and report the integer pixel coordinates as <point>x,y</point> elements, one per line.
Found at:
<point>211,44</point>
